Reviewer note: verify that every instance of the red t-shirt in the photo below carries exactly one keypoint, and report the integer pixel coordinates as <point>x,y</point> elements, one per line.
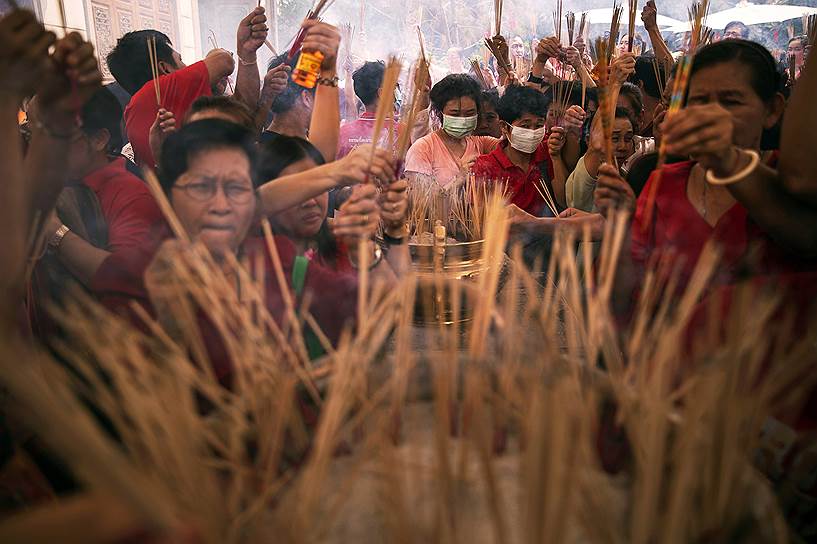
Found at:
<point>129,209</point>
<point>179,90</point>
<point>521,186</point>
<point>120,281</point>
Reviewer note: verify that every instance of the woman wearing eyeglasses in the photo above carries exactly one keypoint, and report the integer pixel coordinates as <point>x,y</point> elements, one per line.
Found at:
<point>207,171</point>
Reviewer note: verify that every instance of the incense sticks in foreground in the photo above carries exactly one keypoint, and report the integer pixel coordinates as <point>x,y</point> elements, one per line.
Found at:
<point>252,466</point>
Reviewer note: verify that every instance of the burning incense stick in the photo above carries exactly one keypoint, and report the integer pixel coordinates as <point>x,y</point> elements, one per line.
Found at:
<point>632,11</point>
<point>557,21</point>
<point>615,24</point>
<point>476,69</point>
<point>498,17</point>
<point>570,18</point>
<point>154,68</point>
<point>583,27</point>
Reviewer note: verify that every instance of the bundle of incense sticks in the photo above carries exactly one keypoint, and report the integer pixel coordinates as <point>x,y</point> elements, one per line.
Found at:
<point>385,107</point>
<point>615,25</point>
<point>607,107</point>
<point>632,12</point>
<point>557,21</point>
<point>792,69</point>
<point>476,69</point>
<point>404,138</point>
<point>810,29</point>
<point>314,13</point>
<point>583,26</point>
<point>697,14</point>
<point>501,61</point>
<point>570,18</point>
<point>562,96</point>
<point>498,17</point>
<point>660,75</point>
<point>544,191</point>
<point>154,69</point>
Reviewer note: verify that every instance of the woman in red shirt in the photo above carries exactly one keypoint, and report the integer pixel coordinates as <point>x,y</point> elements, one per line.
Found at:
<point>761,219</point>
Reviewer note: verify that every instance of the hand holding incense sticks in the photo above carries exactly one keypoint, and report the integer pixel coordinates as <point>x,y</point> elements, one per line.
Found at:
<point>607,105</point>
<point>499,49</point>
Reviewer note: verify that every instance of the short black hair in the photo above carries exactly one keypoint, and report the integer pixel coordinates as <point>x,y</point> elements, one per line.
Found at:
<point>367,80</point>
<point>800,38</point>
<point>128,60</point>
<point>103,112</point>
<point>451,87</point>
<point>183,145</point>
<point>765,79</point>
<point>490,98</point>
<point>645,72</point>
<point>286,100</point>
<point>280,152</point>
<point>744,30</point>
<point>225,104</point>
<point>633,94</point>
<point>519,100</point>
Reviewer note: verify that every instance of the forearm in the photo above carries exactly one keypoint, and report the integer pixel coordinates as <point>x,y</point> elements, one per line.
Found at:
<point>81,258</point>
<point>399,258</point>
<point>287,191</point>
<point>15,218</point>
<point>324,128</point>
<point>248,82</point>
<point>788,220</point>
<point>560,174</point>
<point>571,152</point>
<point>262,110</point>
<point>659,46</point>
<point>45,166</point>
<point>797,167</point>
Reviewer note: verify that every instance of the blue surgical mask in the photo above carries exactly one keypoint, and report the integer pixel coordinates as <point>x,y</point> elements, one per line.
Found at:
<point>459,127</point>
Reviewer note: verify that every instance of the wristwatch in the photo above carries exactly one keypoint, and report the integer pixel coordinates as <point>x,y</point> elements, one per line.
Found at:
<point>329,81</point>
<point>55,240</point>
<point>392,241</point>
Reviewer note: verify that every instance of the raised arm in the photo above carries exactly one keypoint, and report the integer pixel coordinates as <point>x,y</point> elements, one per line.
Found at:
<point>324,128</point>
<point>287,191</point>
<point>649,15</point>
<point>250,36</point>
<point>54,119</point>
<point>24,45</point>
<point>275,82</point>
<point>220,64</point>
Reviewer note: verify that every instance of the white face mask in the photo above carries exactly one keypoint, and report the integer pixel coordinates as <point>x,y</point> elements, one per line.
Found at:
<point>526,140</point>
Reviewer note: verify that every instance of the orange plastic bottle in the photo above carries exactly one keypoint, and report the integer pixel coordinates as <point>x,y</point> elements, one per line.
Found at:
<point>308,69</point>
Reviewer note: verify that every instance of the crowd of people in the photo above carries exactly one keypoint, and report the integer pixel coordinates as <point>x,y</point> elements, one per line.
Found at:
<point>231,153</point>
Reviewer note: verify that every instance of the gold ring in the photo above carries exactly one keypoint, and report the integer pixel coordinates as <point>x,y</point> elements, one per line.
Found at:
<point>365,219</point>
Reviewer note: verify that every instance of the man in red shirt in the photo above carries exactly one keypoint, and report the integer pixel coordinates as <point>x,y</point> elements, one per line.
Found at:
<point>128,211</point>
<point>180,85</point>
<point>521,160</point>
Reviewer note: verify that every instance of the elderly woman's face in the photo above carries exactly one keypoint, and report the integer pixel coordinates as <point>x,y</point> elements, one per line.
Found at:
<point>215,199</point>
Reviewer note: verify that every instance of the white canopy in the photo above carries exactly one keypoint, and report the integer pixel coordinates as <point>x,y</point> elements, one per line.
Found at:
<point>750,14</point>
<point>605,15</point>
